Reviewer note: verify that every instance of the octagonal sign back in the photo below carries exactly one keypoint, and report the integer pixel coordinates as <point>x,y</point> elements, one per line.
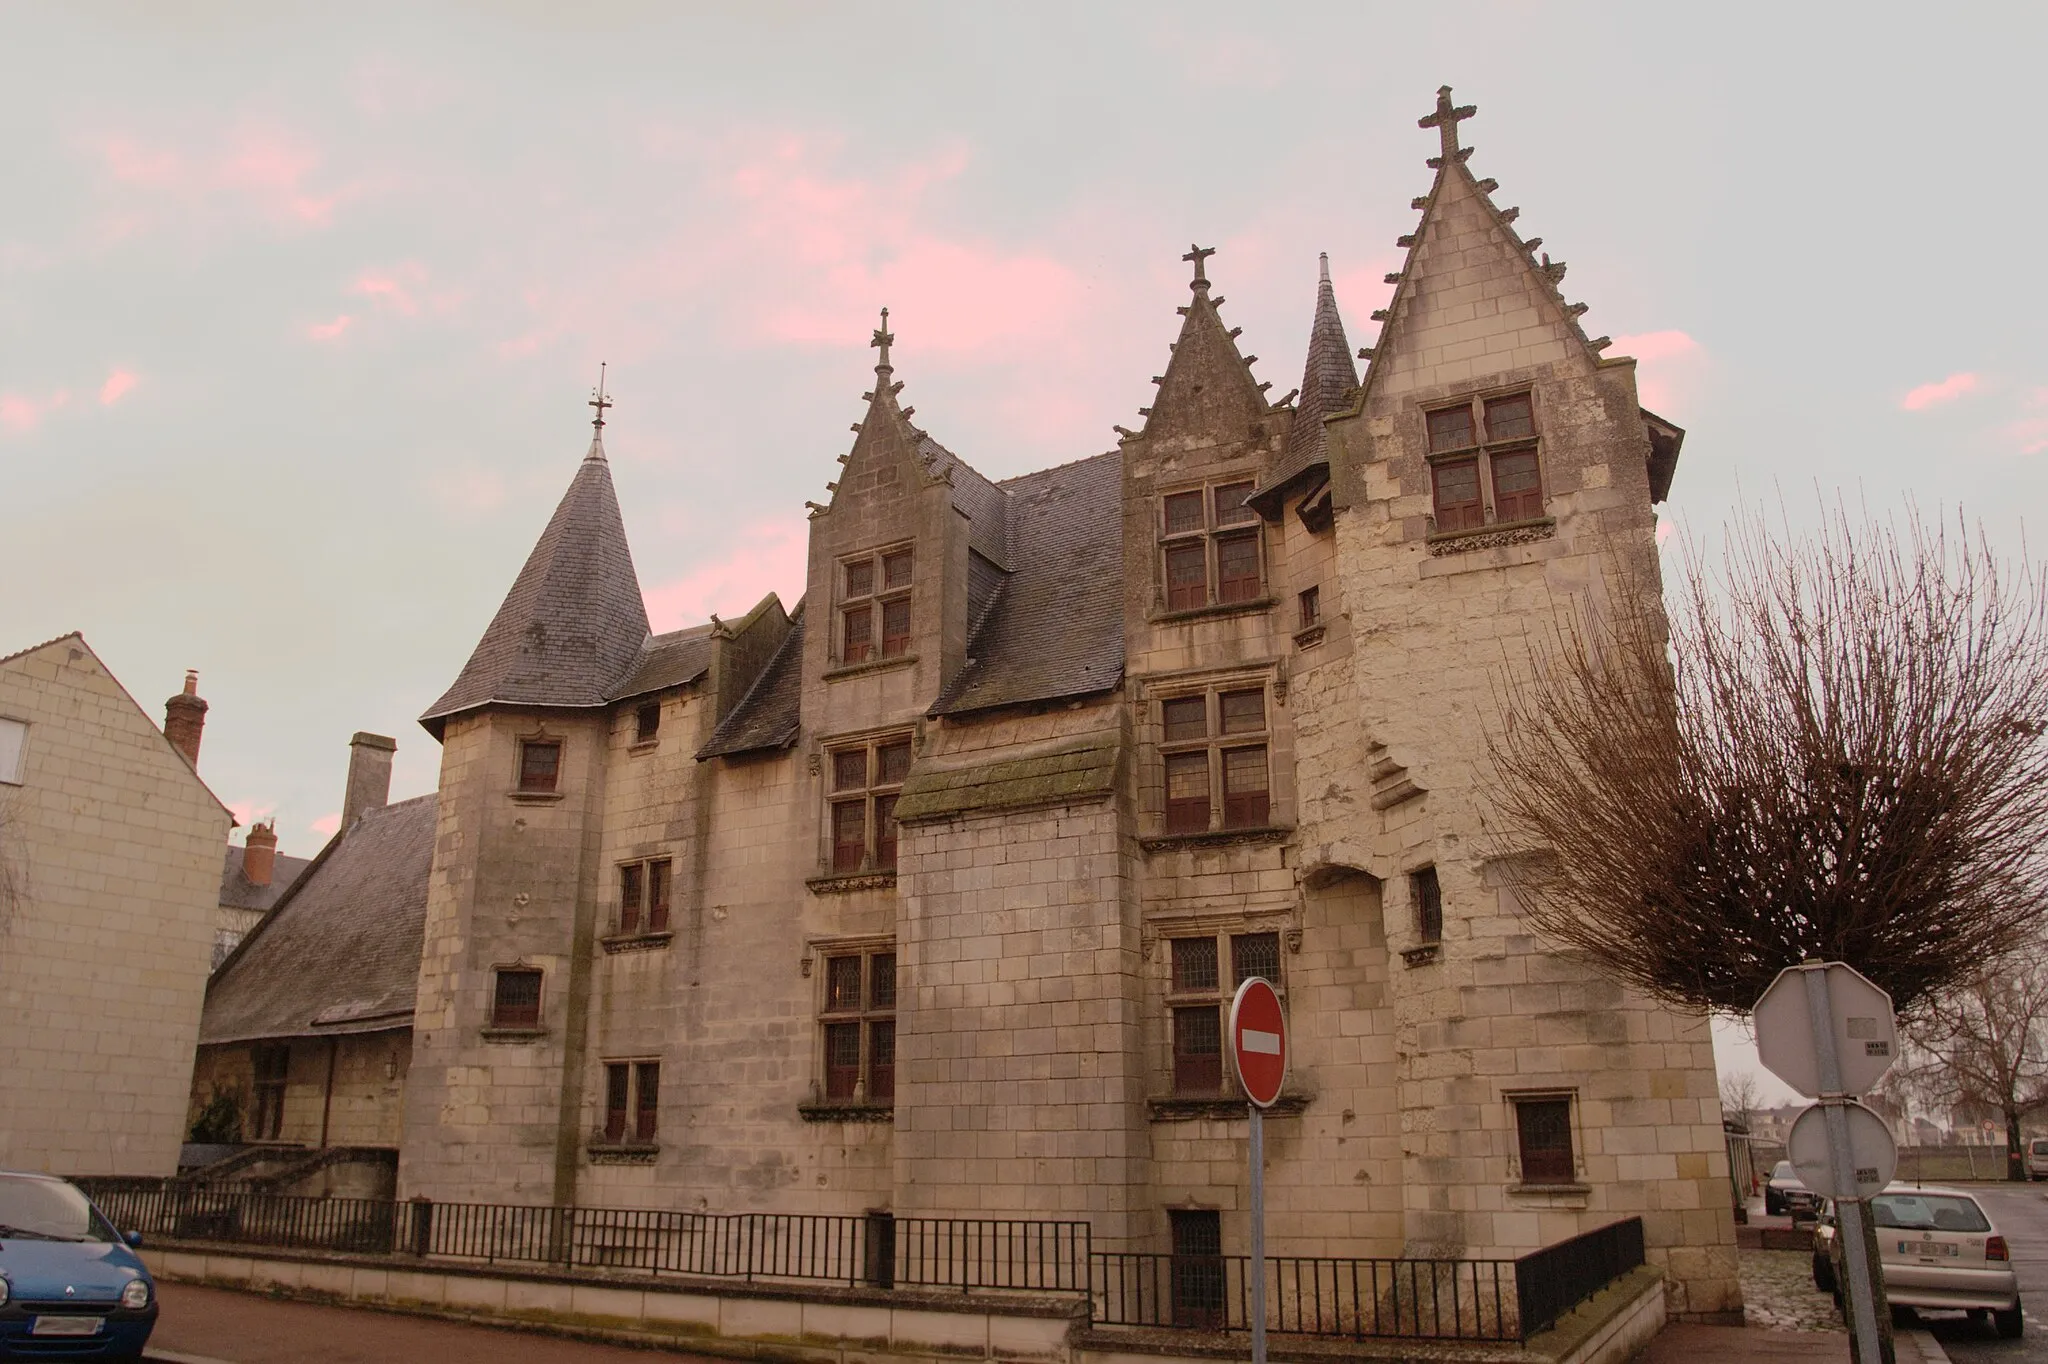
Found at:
<point>1866,1035</point>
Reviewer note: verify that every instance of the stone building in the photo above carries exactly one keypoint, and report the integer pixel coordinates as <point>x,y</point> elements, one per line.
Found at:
<point>929,894</point>
<point>109,871</point>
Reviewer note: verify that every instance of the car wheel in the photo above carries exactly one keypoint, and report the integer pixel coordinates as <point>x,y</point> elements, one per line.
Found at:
<point>1823,1273</point>
<point>1904,1318</point>
<point>2011,1323</point>
<point>1771,1208</point>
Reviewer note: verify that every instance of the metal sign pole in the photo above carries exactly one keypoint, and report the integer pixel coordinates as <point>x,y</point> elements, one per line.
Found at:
<point>1858,1282</point>
<point>1258,1236</point>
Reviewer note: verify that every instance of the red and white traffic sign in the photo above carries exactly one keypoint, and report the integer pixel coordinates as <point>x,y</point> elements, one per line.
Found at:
<point>1258,1040</point>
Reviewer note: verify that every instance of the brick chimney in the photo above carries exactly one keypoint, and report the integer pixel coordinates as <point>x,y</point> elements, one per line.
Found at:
<point>185,717</point>
<point>259,854</point>
<point>369,775</point>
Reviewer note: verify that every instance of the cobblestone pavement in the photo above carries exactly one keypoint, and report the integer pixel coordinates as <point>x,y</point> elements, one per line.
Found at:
<point>1778,1292</point>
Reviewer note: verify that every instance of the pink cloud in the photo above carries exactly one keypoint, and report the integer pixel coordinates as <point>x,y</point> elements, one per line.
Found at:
<point>395,289</point>
<point>1665,530</point>
<point>260,166</point>
<point>1669,366</point>
<point>768,556</point>
<point>1946,391</point>
<point>118,383</point>
<point>327,331</point>
<point>21,413</point>
<point>247,812</point>
<point>327,825</point>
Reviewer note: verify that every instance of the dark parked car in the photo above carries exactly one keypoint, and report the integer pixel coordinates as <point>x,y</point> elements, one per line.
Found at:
<point>1785,1194</point>
<point>71,1287</point>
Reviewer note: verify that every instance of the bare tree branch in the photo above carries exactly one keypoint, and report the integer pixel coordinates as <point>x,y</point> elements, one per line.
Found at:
<point>1834,751</point>
<point>1984,1045</point>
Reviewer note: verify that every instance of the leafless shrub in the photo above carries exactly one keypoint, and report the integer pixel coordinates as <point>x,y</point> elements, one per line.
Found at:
<point>1835,751</point>
<point>1983,1046</point>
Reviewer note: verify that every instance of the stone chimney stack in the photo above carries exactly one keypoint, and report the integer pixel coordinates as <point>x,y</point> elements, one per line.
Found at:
<point>369,775</point>
<point>185,717</point>
<point>259,854</point>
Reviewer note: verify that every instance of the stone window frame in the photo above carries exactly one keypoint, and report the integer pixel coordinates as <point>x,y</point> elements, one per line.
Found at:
<point>526,779</point>
<point>1483,453</point>
<point>866,1012</point>
<point>876,796</point>
<point>639,1122</point>
<point>883,595</point>
<point>644,874</point>
<point>1216,744</point>
<point>1223,936</point>
<point>499,1023</point>
<point>1516,1101</point>
<point>17,775</point>
<point>1209,536</point>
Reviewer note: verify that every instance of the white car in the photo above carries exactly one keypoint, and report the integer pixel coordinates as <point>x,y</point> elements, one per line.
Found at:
<point>2037,1158</point>
<point>1940,1252</point>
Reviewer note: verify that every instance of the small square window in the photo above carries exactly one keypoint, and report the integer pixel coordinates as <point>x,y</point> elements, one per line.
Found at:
<point>850,769</point>
<point>1451,429</point>
<point>860,578</point>
<point>1429,905</point>
<point>896,569</point>
<point>1183,512</point>
<point>1255,954</point>
<point>646,722</point>
<point>1244,712</point>
<point>13,751</point>
<point>1543,1131</point>
<point>540,764</point>
<point>1185,717</point>
<point>1311,606</point>
<point>1510,418</point>
<point>515,1000</point>
<point>1194,964</point>
<point>842,984</point>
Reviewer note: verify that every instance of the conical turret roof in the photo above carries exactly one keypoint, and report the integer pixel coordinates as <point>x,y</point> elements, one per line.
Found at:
<point>574,620</point>
<point>1327,378</point>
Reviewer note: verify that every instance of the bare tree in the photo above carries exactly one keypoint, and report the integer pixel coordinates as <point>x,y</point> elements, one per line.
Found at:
<point>1835,750</point>
<point>1983,1045</point>
<point>1741,1097</point>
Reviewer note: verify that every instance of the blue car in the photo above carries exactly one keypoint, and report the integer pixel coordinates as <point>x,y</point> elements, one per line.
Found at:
<point>71,1287</point>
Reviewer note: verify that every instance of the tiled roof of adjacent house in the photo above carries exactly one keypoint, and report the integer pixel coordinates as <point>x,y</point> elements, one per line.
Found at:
<point>668,660</point>
<point>340,952</point>
<point>1326,379</point>
<point>770,714</point>
<point>239,892</point>
<point>573,624</point>
<point>1056,627</point>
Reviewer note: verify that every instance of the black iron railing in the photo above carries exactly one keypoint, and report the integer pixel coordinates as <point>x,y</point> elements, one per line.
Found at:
<point>1552,1281</point>
<point>1412,1299</point>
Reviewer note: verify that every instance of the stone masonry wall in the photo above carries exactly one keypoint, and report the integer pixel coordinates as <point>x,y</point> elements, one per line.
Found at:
<point>116,845</point>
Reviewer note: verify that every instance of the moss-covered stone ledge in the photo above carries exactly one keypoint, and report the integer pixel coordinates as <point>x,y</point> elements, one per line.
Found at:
<point>1076,771</point>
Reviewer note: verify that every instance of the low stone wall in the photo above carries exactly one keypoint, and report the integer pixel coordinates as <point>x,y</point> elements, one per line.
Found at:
<point>823,1324</point>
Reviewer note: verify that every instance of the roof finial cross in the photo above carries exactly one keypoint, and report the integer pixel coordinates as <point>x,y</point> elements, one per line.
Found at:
<point>882,342</point>
<point>1199,254</point>
<point>1446,119</point>
<point>598,400</point>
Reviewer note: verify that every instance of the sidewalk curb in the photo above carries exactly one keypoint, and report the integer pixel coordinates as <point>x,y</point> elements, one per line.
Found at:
<point>1930,1348</point>
<point>154,1356</point>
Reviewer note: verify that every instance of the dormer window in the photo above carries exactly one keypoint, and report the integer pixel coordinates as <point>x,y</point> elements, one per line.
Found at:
<point>1209,546</point>
<point>874,606</point>
<point>1480,447</point>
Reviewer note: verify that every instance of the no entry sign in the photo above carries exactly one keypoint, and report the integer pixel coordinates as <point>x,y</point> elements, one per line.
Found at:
<point>1258,1039</point>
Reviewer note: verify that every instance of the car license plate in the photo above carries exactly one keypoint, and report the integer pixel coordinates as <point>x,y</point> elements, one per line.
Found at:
<point>1929,1248</point>
<point>67,1326</point>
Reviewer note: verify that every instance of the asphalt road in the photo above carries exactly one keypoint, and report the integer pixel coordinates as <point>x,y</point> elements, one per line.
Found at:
<point>2020,1211</point>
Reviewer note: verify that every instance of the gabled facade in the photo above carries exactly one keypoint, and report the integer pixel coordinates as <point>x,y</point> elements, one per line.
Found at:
<point>929,894</point>
<point>109,878</point>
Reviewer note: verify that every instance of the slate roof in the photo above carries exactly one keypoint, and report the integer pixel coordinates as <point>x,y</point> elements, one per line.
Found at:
<point>1056,627</point>
<point>1326,377</point>
<point>573,625</point>
<point>239,892</point>
<point>771,713</point>
<point>340,952</point>
<point>668,660</point>
<point>987,513</point>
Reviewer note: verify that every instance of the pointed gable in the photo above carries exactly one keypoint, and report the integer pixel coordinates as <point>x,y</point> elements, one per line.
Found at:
<point>1327,381</point>
<point>1208,388</point>
<point>573,623</point>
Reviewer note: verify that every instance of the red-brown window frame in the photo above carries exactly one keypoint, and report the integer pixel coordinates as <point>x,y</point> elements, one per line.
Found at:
<point>864,620</point>
<point>534,776</point>
<point>644,890</point>
<point>874,801</point>
<point>1221,808</point>
<point>866,1019</point>
<point>631,1102</point>
<point>1483,455</point>
<point>1224,525</point>
<point>517,1013</point>
<point>1546,1144</point>
<point>1203,971</point>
